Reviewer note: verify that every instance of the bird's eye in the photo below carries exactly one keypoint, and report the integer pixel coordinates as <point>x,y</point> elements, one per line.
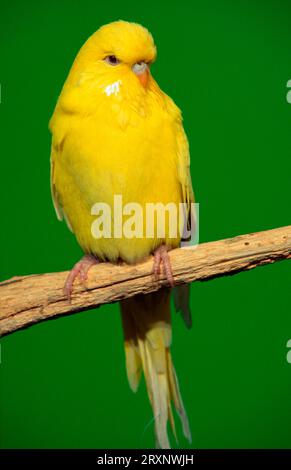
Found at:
<point>112,60</point>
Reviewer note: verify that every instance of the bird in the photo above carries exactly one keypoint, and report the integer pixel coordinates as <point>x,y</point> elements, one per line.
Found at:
<point>116,133</point>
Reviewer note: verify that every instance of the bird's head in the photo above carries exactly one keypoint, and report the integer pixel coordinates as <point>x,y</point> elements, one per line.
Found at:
<point>118,53</point>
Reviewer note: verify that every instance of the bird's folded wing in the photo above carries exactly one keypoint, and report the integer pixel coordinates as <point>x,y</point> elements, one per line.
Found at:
<point>55,197</point>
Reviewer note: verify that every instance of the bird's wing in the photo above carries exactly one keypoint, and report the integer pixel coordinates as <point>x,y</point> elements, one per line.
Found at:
<point>181,293</point>
<point>182,154</point>
<point>54,193</point>
<point>55,197</point>
<point>183,165</point>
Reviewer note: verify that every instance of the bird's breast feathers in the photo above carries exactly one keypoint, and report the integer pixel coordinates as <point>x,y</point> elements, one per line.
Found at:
<point>120,140</point>
<point>115,134</point>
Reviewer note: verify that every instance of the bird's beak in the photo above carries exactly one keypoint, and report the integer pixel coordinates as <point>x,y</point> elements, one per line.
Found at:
<point>142,72</point>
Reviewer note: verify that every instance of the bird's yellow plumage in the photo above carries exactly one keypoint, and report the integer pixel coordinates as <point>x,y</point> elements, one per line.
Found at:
<point>116,133</point>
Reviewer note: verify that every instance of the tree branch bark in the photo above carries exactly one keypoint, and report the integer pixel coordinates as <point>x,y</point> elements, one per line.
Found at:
<point>26,300</point>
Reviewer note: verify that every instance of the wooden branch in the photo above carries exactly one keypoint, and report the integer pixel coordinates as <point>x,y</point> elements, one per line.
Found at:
<point>30,299</point>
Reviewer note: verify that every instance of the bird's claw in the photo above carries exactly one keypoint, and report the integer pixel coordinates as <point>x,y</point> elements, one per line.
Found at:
<point>161,256</point>
<point>80,269</point>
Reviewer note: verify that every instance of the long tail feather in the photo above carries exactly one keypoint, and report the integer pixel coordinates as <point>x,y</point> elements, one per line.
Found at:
<point>147,332</point>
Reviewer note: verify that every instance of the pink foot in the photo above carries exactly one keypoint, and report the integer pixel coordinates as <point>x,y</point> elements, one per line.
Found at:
<point>80,269</point>
<point>161,256</point>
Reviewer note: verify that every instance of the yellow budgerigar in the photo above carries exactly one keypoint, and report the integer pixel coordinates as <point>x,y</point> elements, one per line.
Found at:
<point>116,134</point>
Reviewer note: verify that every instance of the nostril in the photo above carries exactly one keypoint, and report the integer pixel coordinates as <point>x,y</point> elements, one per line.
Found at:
<point>139,67</point>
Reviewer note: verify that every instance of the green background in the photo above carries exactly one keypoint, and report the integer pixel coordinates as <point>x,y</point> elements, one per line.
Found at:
<point>226,64</point>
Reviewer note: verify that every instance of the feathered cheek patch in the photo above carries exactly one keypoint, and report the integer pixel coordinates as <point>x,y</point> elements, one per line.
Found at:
<point>113,88</point>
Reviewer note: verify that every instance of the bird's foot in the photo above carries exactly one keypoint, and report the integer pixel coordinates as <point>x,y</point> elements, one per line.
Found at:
<point>80,269</point>
<point>161,256</point>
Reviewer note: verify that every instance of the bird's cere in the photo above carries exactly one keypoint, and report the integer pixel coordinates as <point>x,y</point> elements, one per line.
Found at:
<point>139,68</point>
<point>113,88</point>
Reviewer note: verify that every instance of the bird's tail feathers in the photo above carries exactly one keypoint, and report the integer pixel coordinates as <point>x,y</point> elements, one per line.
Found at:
<point>147,332</point>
